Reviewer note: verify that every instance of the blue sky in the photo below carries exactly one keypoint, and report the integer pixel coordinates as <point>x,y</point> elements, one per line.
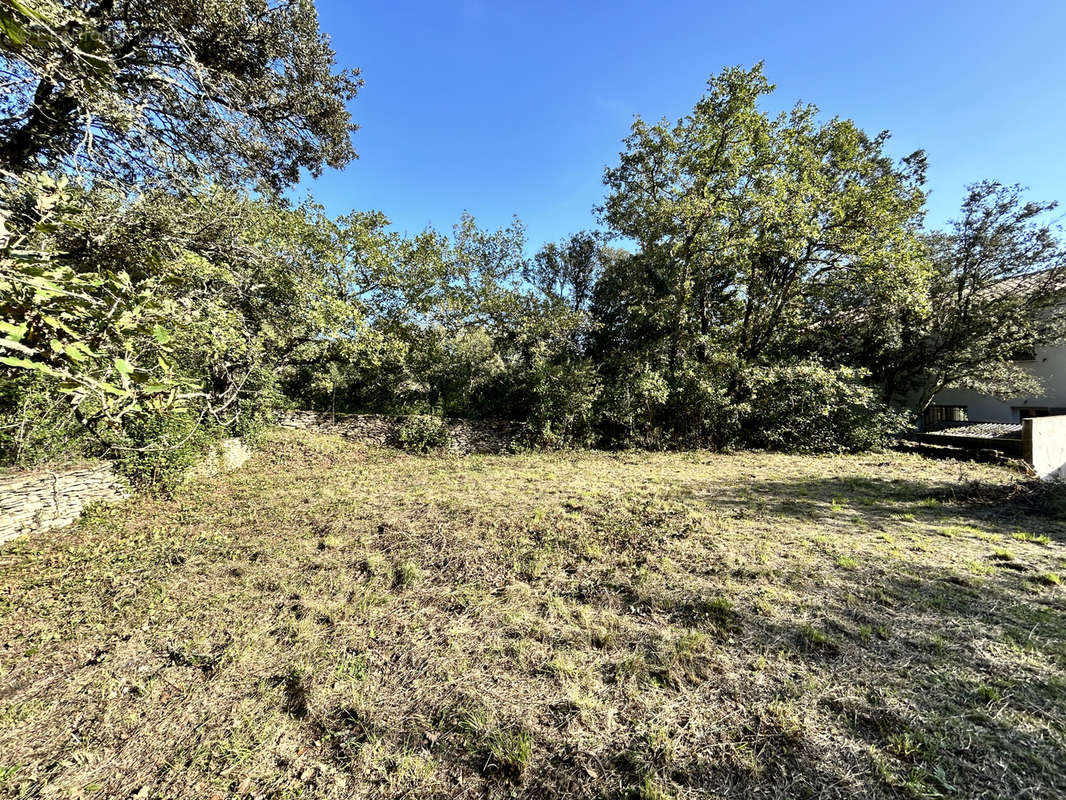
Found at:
<point>503,108</point>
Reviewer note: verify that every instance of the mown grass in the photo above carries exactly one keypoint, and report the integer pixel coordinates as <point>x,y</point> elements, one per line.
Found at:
<point>334,622</point>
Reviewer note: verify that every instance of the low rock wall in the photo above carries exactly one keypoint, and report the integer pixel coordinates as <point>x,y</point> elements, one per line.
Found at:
<point>41,500</point>
<point>465,436</point>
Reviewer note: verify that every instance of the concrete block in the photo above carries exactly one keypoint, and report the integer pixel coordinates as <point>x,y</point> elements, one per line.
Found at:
<point>1044,446</point>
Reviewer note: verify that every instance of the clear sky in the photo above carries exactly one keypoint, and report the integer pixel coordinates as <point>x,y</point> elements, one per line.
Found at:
<point>503,108</point>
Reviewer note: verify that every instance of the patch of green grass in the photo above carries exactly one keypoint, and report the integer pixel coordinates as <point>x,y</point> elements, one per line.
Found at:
<point>813,638</point>
<point>847,562</point>
<point>511,751</point>
<point>719,611</point>
<point>952,531</point>
<point>649,788</point>
<point>905,745</point>
<point>1023,536</point>
<point>355,667</point>
<point>406,574</point>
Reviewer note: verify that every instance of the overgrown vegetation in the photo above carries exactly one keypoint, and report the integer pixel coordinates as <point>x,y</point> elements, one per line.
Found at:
<point>333,621</point>
<point>421,433</point>
<point>776,289</point>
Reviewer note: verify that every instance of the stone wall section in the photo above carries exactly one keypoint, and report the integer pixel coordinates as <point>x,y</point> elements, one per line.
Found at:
<point>36,501</point>
<point>466,436</point>
<point>41,500</point>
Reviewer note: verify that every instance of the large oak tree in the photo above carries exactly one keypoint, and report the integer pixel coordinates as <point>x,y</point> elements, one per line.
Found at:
<point>133,90</point>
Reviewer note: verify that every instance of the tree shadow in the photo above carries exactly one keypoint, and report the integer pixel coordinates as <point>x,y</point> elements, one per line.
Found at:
<point>1031,506</point>
<point>931,680</point>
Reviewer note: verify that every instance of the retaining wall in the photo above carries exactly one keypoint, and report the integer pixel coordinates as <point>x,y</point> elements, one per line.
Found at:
<point>465,436</point>
<point>40,500</point>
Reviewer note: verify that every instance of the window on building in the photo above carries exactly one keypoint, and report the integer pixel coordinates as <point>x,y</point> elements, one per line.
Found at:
<point>943,416</point>
<point>1024,352</point>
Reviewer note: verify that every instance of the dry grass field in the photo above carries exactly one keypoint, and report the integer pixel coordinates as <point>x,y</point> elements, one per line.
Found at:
<point>337,622</point>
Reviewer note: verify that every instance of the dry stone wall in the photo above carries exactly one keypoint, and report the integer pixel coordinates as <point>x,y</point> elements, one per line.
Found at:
<point>466,436</point>
<point>37,501</point>
<point>31,502</point>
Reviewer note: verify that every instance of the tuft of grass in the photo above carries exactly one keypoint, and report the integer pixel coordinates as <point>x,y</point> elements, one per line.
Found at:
<point>847,562</point>
<point>649,788</point>
<point>1003,555</point>
<point>906,745</point>
<point>510,751</point>
<point>953,531</point>
<point>1048,579</point>
<point>812,638</point>
<point>1023,536</point>
<point>719,611</point>
<point>406,574</point>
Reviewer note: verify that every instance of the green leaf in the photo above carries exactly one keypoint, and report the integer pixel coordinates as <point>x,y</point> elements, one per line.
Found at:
<point>12,28</point>
<point>76,351</point>
<point>13,332</point>
<point>10,344</point>
<point>23,363</point>
<point>124,366</point>
<point>161,334</point>
<point>112,389</point>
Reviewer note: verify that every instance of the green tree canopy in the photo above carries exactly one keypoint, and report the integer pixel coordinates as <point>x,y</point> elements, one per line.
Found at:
<point>743,218</point>
<point>996,291</point>
<point>132,90</point>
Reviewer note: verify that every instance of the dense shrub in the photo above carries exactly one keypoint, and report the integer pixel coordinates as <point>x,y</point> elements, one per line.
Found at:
<point>421,433</point>
<point>156,451</point>
<point>813,408</point>
<point>631,408</point>
<point>705,411</point>
<point>38,425</point>
<point>563,399</point>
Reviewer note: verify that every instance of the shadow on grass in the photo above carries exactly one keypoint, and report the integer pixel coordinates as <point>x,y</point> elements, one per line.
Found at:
<point>1033,506</point>
<point>947,681</point>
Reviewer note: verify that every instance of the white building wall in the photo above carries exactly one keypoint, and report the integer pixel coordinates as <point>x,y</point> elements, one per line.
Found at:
<point>1049,367</point>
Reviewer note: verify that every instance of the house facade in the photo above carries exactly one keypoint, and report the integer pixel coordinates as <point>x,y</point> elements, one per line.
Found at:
<point>1048,364</point>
